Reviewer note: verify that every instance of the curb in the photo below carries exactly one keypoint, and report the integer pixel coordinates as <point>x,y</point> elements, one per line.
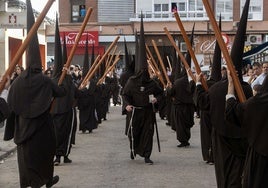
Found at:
<point>5,155</point>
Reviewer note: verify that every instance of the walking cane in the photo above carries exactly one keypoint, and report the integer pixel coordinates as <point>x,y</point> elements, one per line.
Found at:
<point>156,128</point>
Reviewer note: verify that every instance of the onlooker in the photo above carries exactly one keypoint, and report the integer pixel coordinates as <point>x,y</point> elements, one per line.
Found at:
<point>260,72</point>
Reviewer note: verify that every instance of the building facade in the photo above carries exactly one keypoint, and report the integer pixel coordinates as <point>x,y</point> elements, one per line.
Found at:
<point>13,33</point>
<point>122,17</point>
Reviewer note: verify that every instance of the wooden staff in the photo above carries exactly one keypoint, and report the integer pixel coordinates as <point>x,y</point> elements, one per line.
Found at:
<point>90,75</point>
<point>154,64</point>
<point>108,70</point>
<point>77,39</point>
<point>25,44</point>
<point>186,65</point>
<point>151,57</point>
<point>190,49</point>
<point>228,59</point>
<point>110,57</point>
<point>161,62</point>
<point>85,80</point>
<point>170,67</point>
<point>157,72</point>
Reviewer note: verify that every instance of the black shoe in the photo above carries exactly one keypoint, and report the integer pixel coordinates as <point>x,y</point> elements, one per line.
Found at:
<point>53,182</point>
<point>148,161</point>
<point>132,156</point>
<point>57,161</point>
<point>183,145</point>
<point>67,160</point>
<point>104,119</point>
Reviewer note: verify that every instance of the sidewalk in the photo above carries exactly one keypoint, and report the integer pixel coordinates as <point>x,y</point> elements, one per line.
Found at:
<point>6,147</point>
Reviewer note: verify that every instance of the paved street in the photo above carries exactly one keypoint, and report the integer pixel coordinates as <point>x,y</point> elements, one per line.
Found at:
<point>101,159</point>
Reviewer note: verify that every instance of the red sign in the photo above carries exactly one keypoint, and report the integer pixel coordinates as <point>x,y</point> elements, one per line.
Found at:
<point>93,38</point>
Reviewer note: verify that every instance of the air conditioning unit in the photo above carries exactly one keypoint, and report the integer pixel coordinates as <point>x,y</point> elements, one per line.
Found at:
<point>183,47</point>
<point>255,39</point>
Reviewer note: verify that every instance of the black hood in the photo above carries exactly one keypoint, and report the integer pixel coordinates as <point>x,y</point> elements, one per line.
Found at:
<point>239,42</point>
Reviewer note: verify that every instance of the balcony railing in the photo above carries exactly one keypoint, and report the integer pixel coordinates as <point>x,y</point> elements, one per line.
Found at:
<point>168,16</point>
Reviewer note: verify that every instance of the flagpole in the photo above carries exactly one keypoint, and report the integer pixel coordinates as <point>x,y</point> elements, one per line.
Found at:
<point>228,59</point>
<point>25,44</point>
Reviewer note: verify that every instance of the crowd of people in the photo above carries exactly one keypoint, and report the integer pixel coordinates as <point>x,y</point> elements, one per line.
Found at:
<point>41,111</point>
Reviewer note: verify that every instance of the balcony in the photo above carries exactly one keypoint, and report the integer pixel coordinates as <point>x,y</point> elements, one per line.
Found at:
<point>168,16</point>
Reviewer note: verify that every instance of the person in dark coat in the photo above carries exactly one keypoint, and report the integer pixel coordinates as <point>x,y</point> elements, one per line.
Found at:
<point>140,94</point>
<point>182,110</point>
<point>63,111</point>
<point>205,123</point>
<point>229,141</point>
<point>30,98</point>
<point>86,100</point>
<point>252,115</point>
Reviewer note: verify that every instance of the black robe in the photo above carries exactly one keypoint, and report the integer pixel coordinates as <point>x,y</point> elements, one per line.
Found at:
<point>206,130</point>
<point>64,118</point>
<point>137,93</point>
<point>87,108</point>
<point>252,115</point>
<point>29,98</point>
<point>4,110</point>
<point>228,141</point>
<point>122,81</point>
<point>182,111</point>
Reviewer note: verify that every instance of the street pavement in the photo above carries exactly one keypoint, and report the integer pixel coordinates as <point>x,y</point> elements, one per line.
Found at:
<point>102,160</point>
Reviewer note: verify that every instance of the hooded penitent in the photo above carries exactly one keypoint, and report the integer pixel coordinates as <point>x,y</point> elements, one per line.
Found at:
<point>216,64</point>
<point>239,41</point>
<point>58,63</point>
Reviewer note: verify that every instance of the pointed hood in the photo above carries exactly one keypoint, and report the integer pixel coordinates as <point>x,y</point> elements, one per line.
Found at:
<point>239,41</point>
<point>142,60</point>
<point>58,63</point>
<point>216,64</point>
<point>136,51</point>
<point>176,65</point>
<point>128,63</point>
<point>64,50</point>
<point>188,56</point>
<point>33,57</point>
<point>86,60</point>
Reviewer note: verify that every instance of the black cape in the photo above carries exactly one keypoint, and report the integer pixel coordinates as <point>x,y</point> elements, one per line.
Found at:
<point>29,98</point>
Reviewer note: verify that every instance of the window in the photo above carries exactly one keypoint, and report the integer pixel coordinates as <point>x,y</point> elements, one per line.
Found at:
<point>255,9</point>
<point>225,8</point>
<point>78,10</point>
<point>157,7</point>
